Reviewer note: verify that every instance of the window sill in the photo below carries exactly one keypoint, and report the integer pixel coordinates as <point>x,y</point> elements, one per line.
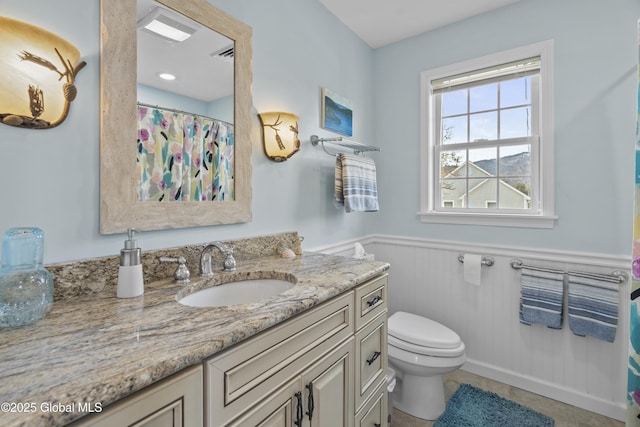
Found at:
<point>497,220</point>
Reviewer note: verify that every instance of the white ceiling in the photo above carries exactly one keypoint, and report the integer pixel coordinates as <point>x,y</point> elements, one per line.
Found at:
<point>382,22</point>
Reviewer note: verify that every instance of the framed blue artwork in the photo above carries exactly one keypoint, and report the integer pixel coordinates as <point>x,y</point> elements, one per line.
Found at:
<point>337,113</point>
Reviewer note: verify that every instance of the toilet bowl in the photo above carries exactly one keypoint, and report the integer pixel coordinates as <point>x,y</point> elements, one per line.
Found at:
<point>422,351</point>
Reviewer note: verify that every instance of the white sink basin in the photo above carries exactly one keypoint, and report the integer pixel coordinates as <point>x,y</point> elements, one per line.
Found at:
<point>241,292</point>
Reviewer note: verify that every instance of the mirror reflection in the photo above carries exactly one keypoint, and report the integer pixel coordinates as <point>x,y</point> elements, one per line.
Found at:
<point>185,147</point>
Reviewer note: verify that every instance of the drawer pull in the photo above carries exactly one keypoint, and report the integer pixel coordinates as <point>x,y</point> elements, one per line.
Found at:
<point>373,301</point>
<point>376,425</point>
<point>373,358</point>
<point>299,414</point>
<point>310,401</point>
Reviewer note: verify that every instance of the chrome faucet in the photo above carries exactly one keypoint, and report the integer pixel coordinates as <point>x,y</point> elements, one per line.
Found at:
<point>229,263</point>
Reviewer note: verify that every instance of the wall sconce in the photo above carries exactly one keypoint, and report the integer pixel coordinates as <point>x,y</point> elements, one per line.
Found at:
<point>280,134</point>
<point>38,75</point>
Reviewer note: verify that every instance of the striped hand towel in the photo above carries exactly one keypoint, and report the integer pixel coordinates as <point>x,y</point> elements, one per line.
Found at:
<point>542,295</point>
<point>593,306</point>
<point>338,196</point>
<point>355,183</point>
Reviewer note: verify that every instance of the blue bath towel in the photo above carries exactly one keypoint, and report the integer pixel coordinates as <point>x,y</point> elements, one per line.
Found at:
<point>593,306</point>
<point>542,296</point>
<point>355,183</point>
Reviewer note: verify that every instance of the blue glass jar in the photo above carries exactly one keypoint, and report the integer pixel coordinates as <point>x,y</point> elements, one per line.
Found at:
<point>26,287</point>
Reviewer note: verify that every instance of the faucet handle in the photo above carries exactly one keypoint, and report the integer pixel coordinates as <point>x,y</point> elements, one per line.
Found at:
<point>182,273</point>
<point>229,263</point>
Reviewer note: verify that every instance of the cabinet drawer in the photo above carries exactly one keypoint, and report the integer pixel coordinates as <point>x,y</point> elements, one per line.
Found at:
<point>374,411</point>
<point>245,373</point>
<point>371,300</point>
<point>371,357</point>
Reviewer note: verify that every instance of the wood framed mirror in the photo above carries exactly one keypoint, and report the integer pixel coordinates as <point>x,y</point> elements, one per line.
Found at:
<point>120,207</point>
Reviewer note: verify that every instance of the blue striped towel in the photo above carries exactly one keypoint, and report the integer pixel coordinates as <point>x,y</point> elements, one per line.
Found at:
<point>593,306</point>
<point>542,296</point>
<point>355,183</point>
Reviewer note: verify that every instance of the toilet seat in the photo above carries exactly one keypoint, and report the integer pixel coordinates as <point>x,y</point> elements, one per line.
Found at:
<point>426,351</point>
<point>420,335</point>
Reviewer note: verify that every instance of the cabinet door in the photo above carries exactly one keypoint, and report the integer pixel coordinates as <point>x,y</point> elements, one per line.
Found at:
<point>277,410</point>
<point>173,402</point>
<point>328,389</point>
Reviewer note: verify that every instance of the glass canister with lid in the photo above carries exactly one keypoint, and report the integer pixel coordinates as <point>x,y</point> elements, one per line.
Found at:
<point>26,287</point>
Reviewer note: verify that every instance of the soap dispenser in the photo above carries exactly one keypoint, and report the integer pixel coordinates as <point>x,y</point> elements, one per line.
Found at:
<point>130,280</point>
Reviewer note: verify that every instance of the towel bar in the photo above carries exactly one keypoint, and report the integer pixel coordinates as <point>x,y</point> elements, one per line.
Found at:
<point>618,275</point>
<point>486,260</point>
<point>357,147</point>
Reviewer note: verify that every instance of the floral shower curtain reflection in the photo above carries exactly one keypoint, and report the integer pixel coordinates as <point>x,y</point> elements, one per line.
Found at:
<point>183,157</point>
<point>633,382</point>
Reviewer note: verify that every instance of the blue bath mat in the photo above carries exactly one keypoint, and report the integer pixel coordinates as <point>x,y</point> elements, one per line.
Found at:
<point>472,407</point>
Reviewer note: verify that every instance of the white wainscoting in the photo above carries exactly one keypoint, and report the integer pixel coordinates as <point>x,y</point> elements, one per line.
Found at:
<point>426,278</point>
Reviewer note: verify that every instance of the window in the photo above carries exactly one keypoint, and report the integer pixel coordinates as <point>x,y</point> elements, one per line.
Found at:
<point>487,140</point>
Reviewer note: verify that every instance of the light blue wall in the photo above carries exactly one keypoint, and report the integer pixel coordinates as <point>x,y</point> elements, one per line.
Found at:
<point>162,98</point>
<point>221,109</point>
<point>50,178</point>
<point>595,99</point>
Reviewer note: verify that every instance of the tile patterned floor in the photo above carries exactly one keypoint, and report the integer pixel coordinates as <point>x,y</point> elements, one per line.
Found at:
<point>564,415</point>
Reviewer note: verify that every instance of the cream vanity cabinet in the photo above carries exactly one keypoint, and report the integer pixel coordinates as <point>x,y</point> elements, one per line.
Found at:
<point>324,368</point>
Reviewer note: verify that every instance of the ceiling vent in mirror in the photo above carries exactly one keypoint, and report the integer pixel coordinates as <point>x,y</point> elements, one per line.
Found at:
<point>224,53</point>
<point>163,23</point>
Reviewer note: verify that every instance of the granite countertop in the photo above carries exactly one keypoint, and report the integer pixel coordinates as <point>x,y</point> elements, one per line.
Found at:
<point>96,348</point>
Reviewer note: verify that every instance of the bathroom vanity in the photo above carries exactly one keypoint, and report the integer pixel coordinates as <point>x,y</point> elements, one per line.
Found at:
<point>316,351</point>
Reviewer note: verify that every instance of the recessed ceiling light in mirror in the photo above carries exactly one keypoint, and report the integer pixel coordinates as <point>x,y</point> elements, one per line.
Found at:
<point>166,76</point>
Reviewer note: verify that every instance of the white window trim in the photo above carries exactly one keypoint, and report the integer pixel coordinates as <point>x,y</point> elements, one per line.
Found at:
<point>545,217</point>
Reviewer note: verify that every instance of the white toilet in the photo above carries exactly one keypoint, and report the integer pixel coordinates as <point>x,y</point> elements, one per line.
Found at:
<point>422,351</point>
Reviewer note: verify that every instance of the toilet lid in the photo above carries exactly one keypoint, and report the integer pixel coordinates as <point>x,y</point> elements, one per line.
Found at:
<point>421,331</point>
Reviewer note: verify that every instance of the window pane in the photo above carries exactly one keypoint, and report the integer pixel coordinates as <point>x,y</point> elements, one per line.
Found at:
<point>454,102</point>
<point>452,174</point>
<point>515,193</point>
<point>452,191</point>
<point>484,162</point>
<point>451,162</point>
<point>454,130</point>
<point>484,126</point>
<point>482,192</point>
<point>515,92</point>
<point>515,161</point>
<point>515,122</point>
<point>483,98</point>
